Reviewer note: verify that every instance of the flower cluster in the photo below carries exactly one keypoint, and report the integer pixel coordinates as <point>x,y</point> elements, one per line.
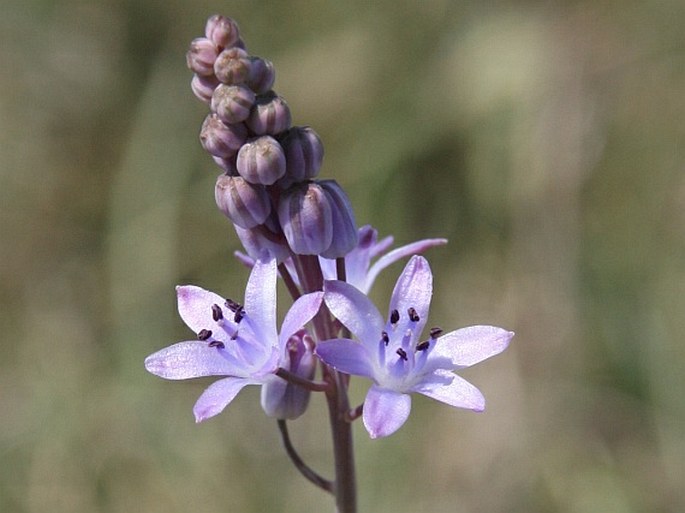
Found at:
<point>301,228</point>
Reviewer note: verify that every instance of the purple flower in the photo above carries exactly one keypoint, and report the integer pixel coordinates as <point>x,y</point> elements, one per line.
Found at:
<point>236,341</point>
<point>396,359</point>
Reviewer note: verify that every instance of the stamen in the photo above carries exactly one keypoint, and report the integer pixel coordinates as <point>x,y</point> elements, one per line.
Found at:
<point>394,316</point>
<point>436,332</point>
<point>216,343</point>
<point>402,353</point>
<point>237,308</point>
<point>204,334</point>
<point>239,314</point>
<point>217,314</point>
<point>384,337</point>
<point>413,316</point>
<point>423,345</point>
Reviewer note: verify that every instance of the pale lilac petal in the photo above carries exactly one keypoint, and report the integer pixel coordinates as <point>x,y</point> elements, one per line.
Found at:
<point>355,310</point>
<point>301,312</point>
<point>260,299</point>
<point>346,356</point>
<point>195,306</point>
<point>186,360</point>
<point>385,411</point>
<point>413,289</point>
<point>468,346</point>
<point>397,254</point>
<point>459,393</point>
<point>217,396</point>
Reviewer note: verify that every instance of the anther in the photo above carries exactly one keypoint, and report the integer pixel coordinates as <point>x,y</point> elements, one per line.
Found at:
<point>402,353</point>
<point>385,338</point>
<point>239,314</point>
<point>217,314</point>
<point>423,345</point>
<point>233,306</point>
<point>394,316</point>
<point>413,316</point>
<point>436,332</point>
<point>216,343</point>
<point>204,334</point>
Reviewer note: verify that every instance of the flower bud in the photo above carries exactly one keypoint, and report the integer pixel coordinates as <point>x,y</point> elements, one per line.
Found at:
<point>270,115</point>
<point>220,139</point>
<point>261,160</point>
<point>203,87</point>
<point>222,31</point>
<point>232,103</point>
<point>285,400</point>
<point>201,56</point>
<point>262,75</point>
<point>232,66</point>
<point>304,212</point>
<point>345,235</point>
<point>303,154</point>
<point>256,240</point>
<point>245,204</point>
<point>227,164</point>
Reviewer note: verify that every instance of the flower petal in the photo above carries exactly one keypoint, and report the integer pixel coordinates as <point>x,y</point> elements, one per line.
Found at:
<point>413,289</point>
<point>195,306</point>
<point>301,312</point>
<point>458,393</point>
<point>395,255</point>
<point>355,310</point>
<point>385,411</point>
<point>192,359</point>
<point>346,356</point>
<point>260,299</point>
<point>217,396</point>
<point>468,346</point>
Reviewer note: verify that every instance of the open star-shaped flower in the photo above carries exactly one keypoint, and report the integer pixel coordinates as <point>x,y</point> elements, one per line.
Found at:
<point>240,342</point>
<point>392,354</point>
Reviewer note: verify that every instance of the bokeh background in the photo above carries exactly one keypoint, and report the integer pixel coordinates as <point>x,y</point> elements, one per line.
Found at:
<point>544,139</point>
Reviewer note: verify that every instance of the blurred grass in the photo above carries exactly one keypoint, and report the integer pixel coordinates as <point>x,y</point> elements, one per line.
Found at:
<point>545,140</point>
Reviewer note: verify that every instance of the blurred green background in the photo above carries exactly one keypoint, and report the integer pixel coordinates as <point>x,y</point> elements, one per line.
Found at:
<point>544,139</point>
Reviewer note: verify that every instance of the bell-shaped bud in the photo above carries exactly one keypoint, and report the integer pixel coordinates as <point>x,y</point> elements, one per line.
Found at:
<point>245,204</point>
<point>201,56</point>
<point>285,400</point>
<point>232,103</point>
<point>345,235</point>
<point>203,87</point>
<point>232,66</point>
<point>303,154</point>
<point>261,160</point>
<point>227,164</point>
<point>220,139</point>
<point>222,31</point>
<point>270,115</point>
<point>256,240</point>
<point>304,212</point>
<point>262,75</point>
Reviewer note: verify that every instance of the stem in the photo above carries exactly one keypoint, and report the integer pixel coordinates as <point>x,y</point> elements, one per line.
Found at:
<point>313,386</point>
<point>304,469</point>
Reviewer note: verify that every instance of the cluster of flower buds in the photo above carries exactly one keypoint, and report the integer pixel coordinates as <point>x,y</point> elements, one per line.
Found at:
<point>268,188</point>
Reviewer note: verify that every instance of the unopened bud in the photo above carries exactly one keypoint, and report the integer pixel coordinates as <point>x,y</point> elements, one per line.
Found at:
<point>245,204</point>
<point>304,212</point>
<point>220,139</point>
<point>203,87</point>
<point>232,66</point>
<point>345,235</point>
<point>261,160</point>
<point>262,75</point>
<point>256,240</point>
<point>227,164</point>
<point>232,103</point>
<point>285,400</point>
<point>270,115</point>
<point>303,154</point>
<point>201,56</point>
<point>222,31</point>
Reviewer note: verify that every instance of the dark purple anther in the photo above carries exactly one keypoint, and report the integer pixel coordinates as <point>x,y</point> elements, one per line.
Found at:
<point>216,343</point>
<point>217,314</point>
<point>402,353</point>
<point>423,345</point>
<point>435,332</point>
<point>413,316</point>
<point>394,316</point>
<point>385,338</point>
<point>204,334</point>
